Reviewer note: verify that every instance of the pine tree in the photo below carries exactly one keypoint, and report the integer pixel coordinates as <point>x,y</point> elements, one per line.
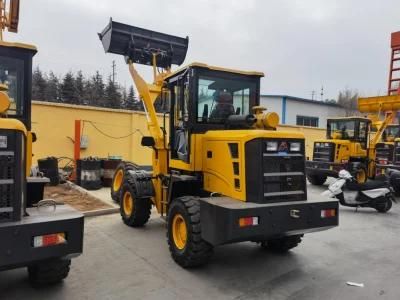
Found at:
<point>52,92</point>
<point>88,93</point>
<point>39,84</point>
<point>131,99</point>
<point>124,97</point>
<point>112,95</point>
<point>98,90</point>
<point>79,87</point>
<point>68,91</point>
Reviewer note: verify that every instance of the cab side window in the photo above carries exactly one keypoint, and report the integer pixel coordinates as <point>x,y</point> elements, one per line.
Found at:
<point>179,140</point>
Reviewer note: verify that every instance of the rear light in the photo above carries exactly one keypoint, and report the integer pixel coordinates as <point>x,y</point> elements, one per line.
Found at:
<point>383,161</point>
<point>248,221</point>
<point>49,240</point>
<point>272,146</point>
<point>328,213</point>
<point>295,147</point>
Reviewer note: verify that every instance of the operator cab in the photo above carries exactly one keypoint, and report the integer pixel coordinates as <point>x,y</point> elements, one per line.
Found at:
<point>353,129</point>
<point>203,97</point>
<point>16,79</point>
<point>391,133</point>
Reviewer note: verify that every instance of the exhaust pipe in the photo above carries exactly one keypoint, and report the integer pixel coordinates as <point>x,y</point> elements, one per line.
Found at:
<point>139,45</point>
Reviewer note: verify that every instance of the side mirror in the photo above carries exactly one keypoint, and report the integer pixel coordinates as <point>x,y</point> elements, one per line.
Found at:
<point>148,141</point>
<point>34,137</point>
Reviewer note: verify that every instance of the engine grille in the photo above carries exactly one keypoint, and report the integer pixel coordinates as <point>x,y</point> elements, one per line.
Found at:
<point>281,176</point>
<point>11,174</point>
<point>324,152</point>
<point>384,153</point>
<point>396,158</point>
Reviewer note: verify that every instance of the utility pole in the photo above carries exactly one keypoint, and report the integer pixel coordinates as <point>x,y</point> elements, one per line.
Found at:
<point>322,93</point>
<point>113,71</point>
<point>312,94</point>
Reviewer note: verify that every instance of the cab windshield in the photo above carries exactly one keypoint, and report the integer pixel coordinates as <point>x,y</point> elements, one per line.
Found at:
<point>219,98</point>
<point>390,133</point>
<point>11,75</point>
<point>341,129</point>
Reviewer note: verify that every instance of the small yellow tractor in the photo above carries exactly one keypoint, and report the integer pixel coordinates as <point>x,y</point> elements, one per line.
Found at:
<point>350,143</point>
<point>221,173</point>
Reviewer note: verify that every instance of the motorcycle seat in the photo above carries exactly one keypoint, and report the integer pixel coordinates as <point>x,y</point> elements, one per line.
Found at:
<point>369,185</point>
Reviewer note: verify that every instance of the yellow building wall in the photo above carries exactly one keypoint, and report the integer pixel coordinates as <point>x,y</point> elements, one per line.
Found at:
<point>54,125</point>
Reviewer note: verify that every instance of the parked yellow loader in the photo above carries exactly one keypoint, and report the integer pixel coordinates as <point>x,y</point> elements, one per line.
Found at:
<point>222,173</point>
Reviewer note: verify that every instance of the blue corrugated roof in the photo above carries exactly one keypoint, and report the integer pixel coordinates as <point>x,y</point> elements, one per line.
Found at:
<point>303,100</point>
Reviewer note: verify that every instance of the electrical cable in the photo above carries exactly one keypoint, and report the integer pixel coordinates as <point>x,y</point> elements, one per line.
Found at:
<point>113,137</point>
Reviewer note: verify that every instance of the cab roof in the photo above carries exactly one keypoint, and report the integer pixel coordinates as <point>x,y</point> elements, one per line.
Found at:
<point>349,118</point>
<point>18,45</point>
<point>215,68</point>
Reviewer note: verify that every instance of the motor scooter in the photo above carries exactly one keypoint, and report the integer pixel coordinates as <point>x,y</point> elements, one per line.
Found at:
<point>375,194</point>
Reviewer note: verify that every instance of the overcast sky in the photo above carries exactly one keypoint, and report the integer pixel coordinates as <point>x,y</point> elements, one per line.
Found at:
<point>299,45</point>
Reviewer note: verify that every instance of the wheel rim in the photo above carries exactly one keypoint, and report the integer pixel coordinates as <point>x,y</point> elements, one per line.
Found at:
<point>179,231</point>
<point>361,176</point>
<point>127,204</point>
<point>118,180</point>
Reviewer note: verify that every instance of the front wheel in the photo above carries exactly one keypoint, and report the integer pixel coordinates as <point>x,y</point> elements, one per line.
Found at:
<point>282,245</point>
<point>49,272</point>
<point>316,179</point>
<point>135,212</point>
<point>187,247</point>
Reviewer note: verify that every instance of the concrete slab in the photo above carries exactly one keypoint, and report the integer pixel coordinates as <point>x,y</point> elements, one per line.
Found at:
<point>121,262</point>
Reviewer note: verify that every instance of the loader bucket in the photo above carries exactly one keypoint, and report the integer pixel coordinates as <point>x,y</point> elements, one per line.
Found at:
<point>379,104</point>
<point>138,44</point>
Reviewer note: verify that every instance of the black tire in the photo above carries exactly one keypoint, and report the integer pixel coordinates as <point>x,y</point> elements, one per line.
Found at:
<point>282,245</point>
<point>122,167</point>
<point>361,168</point>
<point>141,207</point>
<point>49,272</point>
<point>316,179</point>
<point>385,206</point>
<point>196,251</point>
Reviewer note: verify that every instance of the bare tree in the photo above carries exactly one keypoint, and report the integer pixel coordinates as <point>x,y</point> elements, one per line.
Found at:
<point>347,98</point>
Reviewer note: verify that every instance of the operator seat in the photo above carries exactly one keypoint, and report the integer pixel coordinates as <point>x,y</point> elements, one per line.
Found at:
<point>353,185</point>
<point>181,145</point>
<point>224,107</point>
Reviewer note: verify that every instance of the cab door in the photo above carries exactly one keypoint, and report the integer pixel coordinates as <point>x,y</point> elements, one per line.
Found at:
<point>180,138</point>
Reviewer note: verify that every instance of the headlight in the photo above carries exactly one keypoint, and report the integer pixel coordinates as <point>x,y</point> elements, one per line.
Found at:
<point>272,146</point>
<point>326,145</point>
<point>317,144</point>
<point>3,141</point>
<point>295,147</point>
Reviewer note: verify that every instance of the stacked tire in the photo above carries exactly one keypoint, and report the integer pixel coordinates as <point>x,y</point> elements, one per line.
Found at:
<point>118,179</point>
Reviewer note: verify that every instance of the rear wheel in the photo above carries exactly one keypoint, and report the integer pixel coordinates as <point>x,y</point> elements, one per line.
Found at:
<point>316,179</point>
<point>385,206</point>
<point>282,245</point>
<point>187,247</point>
<point>135,212</point>
<point>49,272</point>
<point>118,179</point>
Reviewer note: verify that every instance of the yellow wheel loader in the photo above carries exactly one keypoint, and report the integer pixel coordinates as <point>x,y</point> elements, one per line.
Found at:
<point>350,142</point>
<point>35,234</point>
<point>385,149</point>
<point>221,172</point>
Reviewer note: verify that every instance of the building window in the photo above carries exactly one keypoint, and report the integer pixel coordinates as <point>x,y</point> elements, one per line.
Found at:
<point>307,121</point>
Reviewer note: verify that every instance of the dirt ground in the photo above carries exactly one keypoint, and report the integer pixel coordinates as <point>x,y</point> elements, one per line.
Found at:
<point>77,199</point>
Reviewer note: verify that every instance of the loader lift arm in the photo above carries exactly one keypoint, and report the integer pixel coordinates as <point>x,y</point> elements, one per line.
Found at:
<point>374,106</point>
